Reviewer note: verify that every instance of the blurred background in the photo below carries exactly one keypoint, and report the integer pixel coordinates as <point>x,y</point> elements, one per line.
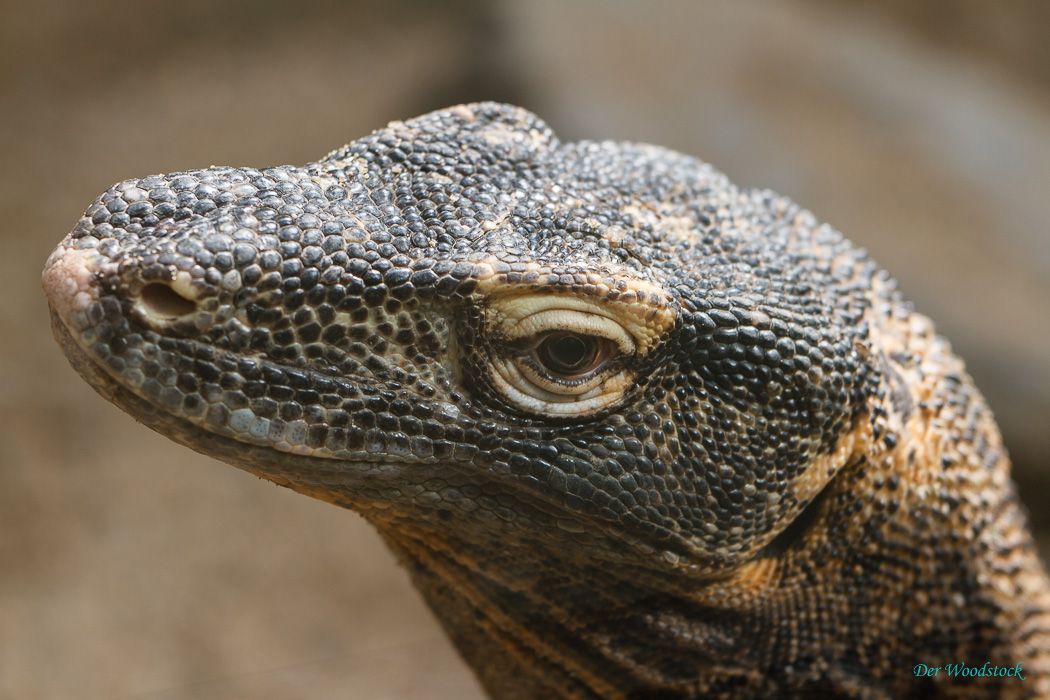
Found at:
<point>132,568</point>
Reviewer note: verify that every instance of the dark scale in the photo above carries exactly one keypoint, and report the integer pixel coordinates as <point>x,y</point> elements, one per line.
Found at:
<point>636,432</point>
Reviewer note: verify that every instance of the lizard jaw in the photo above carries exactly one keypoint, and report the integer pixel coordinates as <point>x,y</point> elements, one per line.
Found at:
<point>71,284</point>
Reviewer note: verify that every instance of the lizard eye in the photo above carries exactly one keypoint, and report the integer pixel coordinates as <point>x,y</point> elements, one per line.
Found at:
<point>562,362</point>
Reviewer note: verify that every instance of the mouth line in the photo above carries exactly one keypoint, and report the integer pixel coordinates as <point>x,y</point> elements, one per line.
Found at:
<point>262,460</point>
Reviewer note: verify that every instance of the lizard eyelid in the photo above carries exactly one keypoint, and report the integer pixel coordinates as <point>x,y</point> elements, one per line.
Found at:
<point>563,362</point>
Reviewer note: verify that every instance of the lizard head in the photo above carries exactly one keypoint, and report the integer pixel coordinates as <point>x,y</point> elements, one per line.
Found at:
<point>461,319</point>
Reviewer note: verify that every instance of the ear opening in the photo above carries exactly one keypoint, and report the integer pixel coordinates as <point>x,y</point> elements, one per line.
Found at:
<point>795,532</point>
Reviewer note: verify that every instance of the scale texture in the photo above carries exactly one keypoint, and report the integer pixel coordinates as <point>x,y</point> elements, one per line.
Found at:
<point>633,431</point>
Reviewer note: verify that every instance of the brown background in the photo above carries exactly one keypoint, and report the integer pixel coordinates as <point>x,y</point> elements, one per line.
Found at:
<point>131,568</point>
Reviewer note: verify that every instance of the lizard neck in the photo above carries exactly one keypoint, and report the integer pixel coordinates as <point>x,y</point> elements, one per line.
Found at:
<point>558,617</point>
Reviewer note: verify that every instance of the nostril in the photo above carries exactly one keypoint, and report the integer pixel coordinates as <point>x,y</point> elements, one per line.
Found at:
<point>162,301</point>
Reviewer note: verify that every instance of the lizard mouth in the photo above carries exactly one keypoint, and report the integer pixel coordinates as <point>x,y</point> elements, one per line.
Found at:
<point>73,286</point>
<point>338,481</point>
<point>162,338</point>
<point>257,459</point>
<point>71,283</point>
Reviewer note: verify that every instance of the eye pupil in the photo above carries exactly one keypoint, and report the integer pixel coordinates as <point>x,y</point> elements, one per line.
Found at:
<point>569,350</point>
<point>568,353</point>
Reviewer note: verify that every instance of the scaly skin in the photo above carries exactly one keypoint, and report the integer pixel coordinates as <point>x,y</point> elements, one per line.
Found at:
<point>632,430</point>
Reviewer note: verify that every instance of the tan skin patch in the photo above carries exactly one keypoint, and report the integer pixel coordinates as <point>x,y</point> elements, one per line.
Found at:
<point>672,227</point>
<point>645,310</point>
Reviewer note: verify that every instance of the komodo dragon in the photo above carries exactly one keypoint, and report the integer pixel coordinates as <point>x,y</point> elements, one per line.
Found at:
<point>633,431</point>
